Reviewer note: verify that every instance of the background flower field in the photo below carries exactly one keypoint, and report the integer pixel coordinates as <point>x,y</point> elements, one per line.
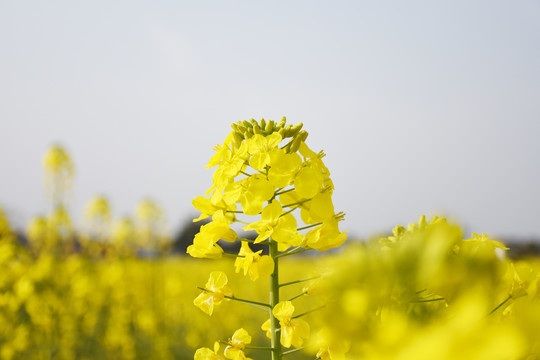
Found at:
<point>82,306</point>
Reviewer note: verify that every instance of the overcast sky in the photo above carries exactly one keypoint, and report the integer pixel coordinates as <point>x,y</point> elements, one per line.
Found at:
<point>422,107</point>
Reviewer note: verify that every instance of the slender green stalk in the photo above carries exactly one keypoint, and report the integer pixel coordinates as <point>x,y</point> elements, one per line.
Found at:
<point>309,226</point>
<point>299,281</point>
<point>297,296</point>
<point>257,304</point>
<point>283,192</point>
<point>297,203</point>
<point>274,300</point>
<point>248,346</point>
<point>233,255</point>
<point>292,252</point>
<point>427,300</point>
<point>501,304</point>
<point>309,312</point>
<point>292,351</point>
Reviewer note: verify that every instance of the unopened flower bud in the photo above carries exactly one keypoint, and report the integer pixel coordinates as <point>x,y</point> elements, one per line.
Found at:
<point>270,126</point>
<point>287,131</point>
<point>296,129</point>
<point>295,144</point>
<point>241,128</point>
<point>237,139</point>
<point>282,122</point>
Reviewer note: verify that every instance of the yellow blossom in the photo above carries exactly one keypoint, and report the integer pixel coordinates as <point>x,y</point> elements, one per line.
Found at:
<point>326,236</point>
<point>235,349</point>
<point>205,242</point>
<point>256,190</point>
<point>253,263</point>
<point>217,289</point>
<point>293,331</point>
<point>207,354</point>
<point>259,148</point>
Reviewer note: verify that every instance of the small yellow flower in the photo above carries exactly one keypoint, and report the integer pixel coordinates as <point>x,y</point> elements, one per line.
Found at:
<point>326,236</point>
<point>217,289</point>
<point>235,349</point>
<point>293,331</point>
<point>253,263</point>
<point>207,354</point>
<point>259,148</point>
<point>256,191</point>
<point>205,242</point>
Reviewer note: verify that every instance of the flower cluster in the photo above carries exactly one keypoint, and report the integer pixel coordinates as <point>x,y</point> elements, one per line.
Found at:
<point>280,179</point>
<point>265,171</point>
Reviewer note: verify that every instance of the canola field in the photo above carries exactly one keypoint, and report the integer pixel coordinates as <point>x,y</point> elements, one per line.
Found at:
<point>111,289</point>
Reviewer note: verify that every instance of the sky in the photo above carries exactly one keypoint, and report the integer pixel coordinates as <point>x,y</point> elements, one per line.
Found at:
<point>422,107</point>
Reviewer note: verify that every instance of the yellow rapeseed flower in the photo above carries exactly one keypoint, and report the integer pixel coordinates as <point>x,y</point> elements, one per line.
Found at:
<point>216,290</point>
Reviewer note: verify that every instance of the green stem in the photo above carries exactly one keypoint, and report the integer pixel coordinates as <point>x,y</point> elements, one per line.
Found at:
<point>292,252</point>
<point>258,348</point>
<point>283,192</point>
<point>501,304</point>
<point>290,211</point>
<point>299,281</point>
<point>247,346</point>
<point>297,203</point>
<point>257,304</point>
<point>297,296</point>
<point>309,226</point>
<point>309,312</point>
<point>233,255</point>
<point>274,300</point>
<point>426,300</point>
<point>291,351</point>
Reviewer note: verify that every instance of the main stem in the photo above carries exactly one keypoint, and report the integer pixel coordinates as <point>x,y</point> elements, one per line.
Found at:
<point>274,300</point>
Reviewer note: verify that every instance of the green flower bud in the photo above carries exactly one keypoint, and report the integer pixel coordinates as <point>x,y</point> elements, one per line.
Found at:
<point>295,144</point>
<point>253,122</point>
<point>241,129</point>
<point>269,126</point>
<point>297,140</point>
<point>287,131</point>
<point>237,138</point>
<point>263,124</point>
<point>282,122</point>
<point>257,129</point>
<point>247,124</point>
<point>296,128</point>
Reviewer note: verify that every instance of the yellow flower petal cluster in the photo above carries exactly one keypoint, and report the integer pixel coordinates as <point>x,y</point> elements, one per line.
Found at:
<point>293,331</point>
<point>208,354</point>
<point>235,349</point>
<point>205,242</point>
<point>253,263</point>
<point>216,291</point>
<point>258,175</point>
